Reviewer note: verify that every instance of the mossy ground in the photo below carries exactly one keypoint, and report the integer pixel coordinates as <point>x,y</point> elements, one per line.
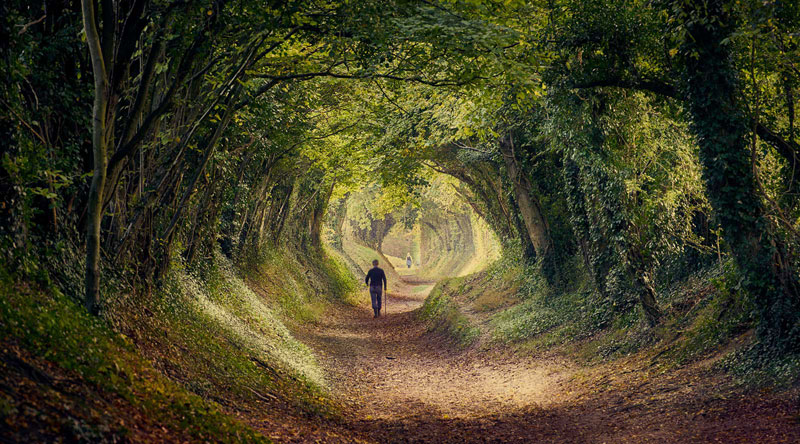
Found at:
<point>704,317</point>
<point>79,355</point>
<point>184,363</point>
<point>443,315</point>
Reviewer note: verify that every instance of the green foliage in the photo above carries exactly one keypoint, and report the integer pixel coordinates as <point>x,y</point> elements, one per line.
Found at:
<point>57,329</point>
<point>722,318</point>
<point>546,316</point>
<point>653,137</point>
<point>229,330</point>
<point>756,367</point>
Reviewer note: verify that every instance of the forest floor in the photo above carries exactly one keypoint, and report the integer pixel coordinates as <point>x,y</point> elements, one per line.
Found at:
<point>400,382</point>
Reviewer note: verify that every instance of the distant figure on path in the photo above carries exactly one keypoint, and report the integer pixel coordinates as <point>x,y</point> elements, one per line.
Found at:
<point>376,279</point>
<point>408,260</point>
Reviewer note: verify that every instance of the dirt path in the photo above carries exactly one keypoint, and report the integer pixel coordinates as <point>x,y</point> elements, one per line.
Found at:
<point>401,383</point>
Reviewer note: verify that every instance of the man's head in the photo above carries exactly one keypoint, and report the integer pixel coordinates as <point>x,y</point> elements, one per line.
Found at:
<point>375,263</point>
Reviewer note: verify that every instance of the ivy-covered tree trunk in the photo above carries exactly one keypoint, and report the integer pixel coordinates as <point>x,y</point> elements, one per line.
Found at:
<point>530,210</point>
<point>535,224</point>
<point>645,287</point>
<point>317,216</point>
<point>721,130</point>
<point>600,222</point>
<point>337,216</point>
<point>577,211</point>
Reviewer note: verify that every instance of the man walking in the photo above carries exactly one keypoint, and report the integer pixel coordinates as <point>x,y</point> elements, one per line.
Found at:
<point>376,279</point>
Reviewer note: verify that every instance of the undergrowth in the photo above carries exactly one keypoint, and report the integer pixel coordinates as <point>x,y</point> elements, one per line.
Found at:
<point>53,327</point>
<point>444,315</point>
<point>705,314</point>
<point>206,343</point>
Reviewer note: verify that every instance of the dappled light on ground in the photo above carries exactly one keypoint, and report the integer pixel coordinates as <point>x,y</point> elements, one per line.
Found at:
<point>402,382</point>
<point>391,367</point>
<point>251,323</point>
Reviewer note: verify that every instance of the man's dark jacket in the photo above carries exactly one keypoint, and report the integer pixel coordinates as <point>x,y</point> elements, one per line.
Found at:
<point>376,276</point>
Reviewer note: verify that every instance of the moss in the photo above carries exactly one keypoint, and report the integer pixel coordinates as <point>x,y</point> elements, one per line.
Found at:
<point>212,332</point>
<point>704,314</point>
<point>53,327</point>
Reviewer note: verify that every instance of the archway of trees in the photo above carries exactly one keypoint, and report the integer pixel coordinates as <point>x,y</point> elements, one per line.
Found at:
<point>629,145</point>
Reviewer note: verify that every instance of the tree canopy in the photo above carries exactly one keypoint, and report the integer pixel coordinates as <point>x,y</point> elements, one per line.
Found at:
<point>629,141</point>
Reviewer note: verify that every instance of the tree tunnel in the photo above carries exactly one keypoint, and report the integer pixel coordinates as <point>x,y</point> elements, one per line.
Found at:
<point>435,226</point>
<point>184,182</point>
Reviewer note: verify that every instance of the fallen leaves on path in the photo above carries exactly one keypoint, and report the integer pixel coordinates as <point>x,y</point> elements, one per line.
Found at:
<point>401,383</point>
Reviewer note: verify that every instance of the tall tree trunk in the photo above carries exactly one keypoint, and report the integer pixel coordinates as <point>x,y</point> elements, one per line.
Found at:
<point>646,290</point>
<point>576,204</point>
<point>285,208</point>
<point>318,216</point>
<point>100,142</point>
<point>535,222</point>
<point>530,210</point>
<point>721,131</point>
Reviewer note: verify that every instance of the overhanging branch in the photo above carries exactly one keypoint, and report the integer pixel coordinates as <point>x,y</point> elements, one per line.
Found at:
<point>326,73</point>
<point>654,86</point>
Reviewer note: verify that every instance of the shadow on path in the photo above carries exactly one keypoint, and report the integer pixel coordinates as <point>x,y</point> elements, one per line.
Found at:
<point>401,383</point>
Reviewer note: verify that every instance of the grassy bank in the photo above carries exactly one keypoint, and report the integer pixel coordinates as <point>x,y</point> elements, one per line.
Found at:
<point>704,317</point>
<point>184,363</point>
<point>444,315</point>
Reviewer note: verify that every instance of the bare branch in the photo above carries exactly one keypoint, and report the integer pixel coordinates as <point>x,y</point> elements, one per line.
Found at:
<point>29,24</point>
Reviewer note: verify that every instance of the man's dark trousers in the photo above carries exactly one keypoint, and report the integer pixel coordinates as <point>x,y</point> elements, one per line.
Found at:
<point>375,293</point>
